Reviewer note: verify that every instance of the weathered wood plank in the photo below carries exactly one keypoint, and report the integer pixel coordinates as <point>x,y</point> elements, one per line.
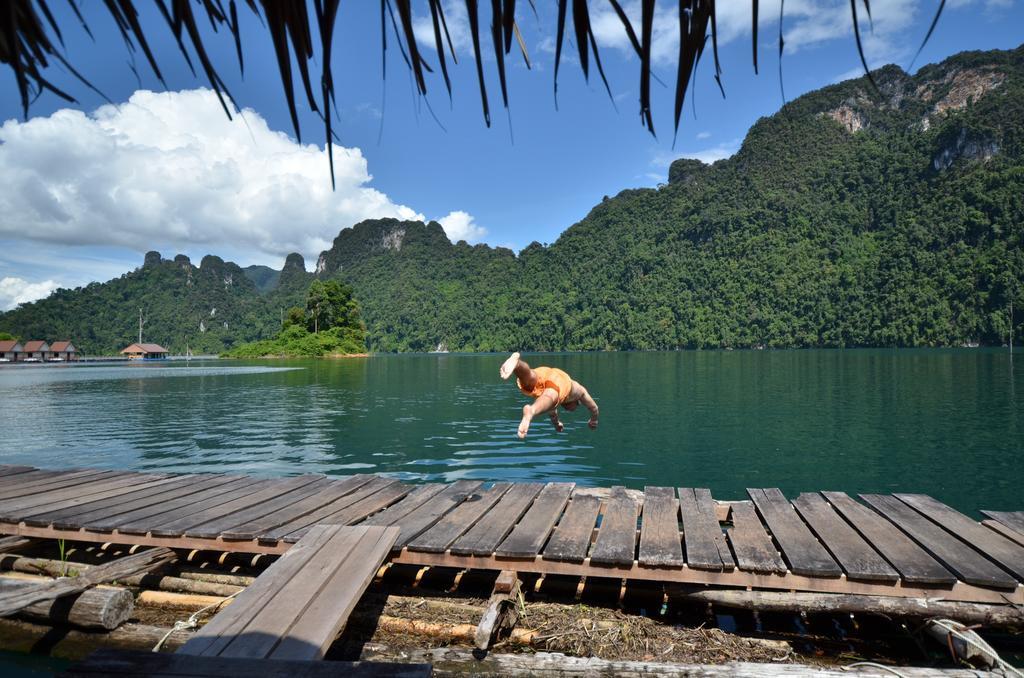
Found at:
<point>300,490</point>
<point>570,541</point>
<point>102,505</point>
<point>368,499</point>
<point>661,543</point>
<point>107,662</point>
<point>423,517</point>
<point>111,485</point>
<point>910,560</point>
<point>296,607</point>
<point>953,553</point>
<point>116,507</point>
<point>855,555</point>
<point>484,537</point>
<point>801,549</point>
<point>702,533</point>
<point>8,470</point>
<point>528,537</point>
<point>266,491</point>
<point>1011,534</point>
<point>616,539</point>
<point>334,490</point>
<point>1012,519</point>
<point>453,525</point>
<point>36,482</point>
<point>395,513</point>
<point>21,495</point>
<point>753,547</point>
<point>1000,549</point>
<point>208,489</point>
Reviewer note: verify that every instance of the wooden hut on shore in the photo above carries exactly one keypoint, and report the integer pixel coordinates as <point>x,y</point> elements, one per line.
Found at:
<point>36,351</point>
<point>11,350</point>
<point>144,351</point>
<point>63,350</point>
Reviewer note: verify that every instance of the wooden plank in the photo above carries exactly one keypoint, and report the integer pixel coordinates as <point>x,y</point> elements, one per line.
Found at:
<point>528,537</point>
<point>335,489</point>
<point>1009,533</point>
<point>616,538</point>
<point>1000,549</point>
<point>12,470</point>
<point>433,510</point>
<point>298,491</point>
<point>800,548</point>
<point>10,486</point>
<point>964,561</point>
<point>51,484</point>
<point>570,541</point>
<point>110,662</point>
<point>223,628</point>
<point>453,525</point>
<point>414,500</point>
<point>702,533</point>
<point>661,544</point>
<point>101,505</point>
<point>295,609</point>
<point>332,605</point>
<point>1012,519</point>
<point>363,508</point>
<point>138,520</point>
<point>484,537</point>
<point>855,555</point>
<point>112,485</point>
<point>269,491</point>
<point>111,508</point>
<point>177,511</point>
<point>910,560</point>
<point>714,513</point>
<point>376,484</point>
<point>753,547</point>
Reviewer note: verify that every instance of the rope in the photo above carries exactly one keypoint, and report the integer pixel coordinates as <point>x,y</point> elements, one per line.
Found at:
<point>192,622</point>
<point>977,642</point>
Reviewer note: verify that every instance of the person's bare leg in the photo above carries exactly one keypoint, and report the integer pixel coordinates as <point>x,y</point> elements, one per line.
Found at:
<point>545,402</point>
<point>514,364</point>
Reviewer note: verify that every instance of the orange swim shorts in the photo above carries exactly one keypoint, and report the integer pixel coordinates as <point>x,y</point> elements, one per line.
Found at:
<point>549,377</point>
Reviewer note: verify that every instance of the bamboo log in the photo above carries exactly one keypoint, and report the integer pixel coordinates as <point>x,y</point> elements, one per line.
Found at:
<point>455,662</point>
<point>217,577</point>
<point>157,581</point>
<point>184,601</point>
<point>23,636</point>
<point>920,608</point>
<point>97,608</point>
<point>13,601</point>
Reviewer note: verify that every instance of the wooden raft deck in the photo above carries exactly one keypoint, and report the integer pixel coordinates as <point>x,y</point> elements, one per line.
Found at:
<point>906,545</point>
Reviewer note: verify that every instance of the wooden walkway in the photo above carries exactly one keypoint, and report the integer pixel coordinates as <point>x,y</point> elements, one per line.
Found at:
<point>895,545</point>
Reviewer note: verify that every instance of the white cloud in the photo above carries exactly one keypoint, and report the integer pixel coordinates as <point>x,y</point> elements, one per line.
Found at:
<point>458,29</point>
<point>14,291</point>
<point>720,151</point>
<point>460,225</point>
<point>170,169</point>
<point>703,135</point>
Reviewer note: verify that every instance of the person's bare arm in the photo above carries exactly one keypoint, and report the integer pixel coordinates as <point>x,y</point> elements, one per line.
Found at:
<point>589,403</point>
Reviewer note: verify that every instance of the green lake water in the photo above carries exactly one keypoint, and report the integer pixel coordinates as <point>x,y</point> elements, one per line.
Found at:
<point>949,423</point>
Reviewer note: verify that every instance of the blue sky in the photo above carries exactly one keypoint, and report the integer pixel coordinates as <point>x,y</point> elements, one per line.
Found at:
<point>87,191</point>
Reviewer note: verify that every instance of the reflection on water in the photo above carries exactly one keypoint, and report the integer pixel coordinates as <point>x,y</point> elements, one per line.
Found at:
<point>948,423</point>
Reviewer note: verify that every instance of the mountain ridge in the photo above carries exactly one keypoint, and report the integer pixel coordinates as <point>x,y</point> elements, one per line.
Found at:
<point>851,217</point>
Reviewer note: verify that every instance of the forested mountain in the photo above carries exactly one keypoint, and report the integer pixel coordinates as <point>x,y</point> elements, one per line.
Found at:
<point>852,217</point>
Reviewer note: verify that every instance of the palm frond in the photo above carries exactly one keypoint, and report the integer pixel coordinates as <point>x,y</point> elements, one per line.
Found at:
<point>27,48</point>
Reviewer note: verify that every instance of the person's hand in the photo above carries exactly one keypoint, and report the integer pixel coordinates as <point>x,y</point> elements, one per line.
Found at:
<point>592,423</point>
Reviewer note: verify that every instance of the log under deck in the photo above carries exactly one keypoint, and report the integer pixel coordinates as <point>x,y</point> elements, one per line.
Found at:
<point>907,545</point>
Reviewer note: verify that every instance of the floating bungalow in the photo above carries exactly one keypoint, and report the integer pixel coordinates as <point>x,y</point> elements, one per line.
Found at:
<point>11,351</point>
<point>63,350</point>
<point>36,351</point>
<point>143,351</point>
